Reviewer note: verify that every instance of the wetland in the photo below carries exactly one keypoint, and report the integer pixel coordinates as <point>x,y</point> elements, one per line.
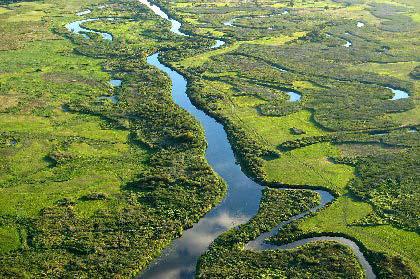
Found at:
<point>168,139</point>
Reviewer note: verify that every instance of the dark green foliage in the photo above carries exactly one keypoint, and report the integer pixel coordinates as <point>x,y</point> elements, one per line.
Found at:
<point>415,73</point>
<point>99,246</point>
<point>372,219</point>
<point>389,267</point>
<point>397,137</point>
<point>390,183</point>
<point>306,141</point>
<point>279,108</point>
<point>297,131</point>
<point>288,234</point>
<point>337,262</point>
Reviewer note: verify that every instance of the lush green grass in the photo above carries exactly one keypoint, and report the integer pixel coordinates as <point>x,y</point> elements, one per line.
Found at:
<point>37,77</point>
<point>9,239</point>
<point>201,59</point>
<point>306,166</point>
<point>274,130</point>
<point>310,166</point>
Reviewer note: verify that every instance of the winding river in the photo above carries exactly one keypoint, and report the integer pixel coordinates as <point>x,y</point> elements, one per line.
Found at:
<point>77,28</point>
<point>242,200</point>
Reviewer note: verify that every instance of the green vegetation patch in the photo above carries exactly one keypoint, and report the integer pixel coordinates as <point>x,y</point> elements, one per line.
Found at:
<point>94,176</point>
<point>9,239</point>
<point>390,183</point>
<point>310,166</point>
<point>398,247</point>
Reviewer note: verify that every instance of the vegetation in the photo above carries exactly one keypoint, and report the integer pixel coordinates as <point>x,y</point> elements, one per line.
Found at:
<point>94,176</point>
<point>389,183</point>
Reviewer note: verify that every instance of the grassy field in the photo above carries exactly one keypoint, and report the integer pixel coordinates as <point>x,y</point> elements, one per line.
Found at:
<point>305,166</point>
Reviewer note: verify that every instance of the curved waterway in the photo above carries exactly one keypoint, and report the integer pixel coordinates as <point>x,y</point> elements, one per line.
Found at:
<point>242,200</point>
<point>77,28</point>
<point>175,25</point>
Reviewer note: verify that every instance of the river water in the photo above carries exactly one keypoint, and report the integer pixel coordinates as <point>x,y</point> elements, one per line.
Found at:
<point>76,27</point>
